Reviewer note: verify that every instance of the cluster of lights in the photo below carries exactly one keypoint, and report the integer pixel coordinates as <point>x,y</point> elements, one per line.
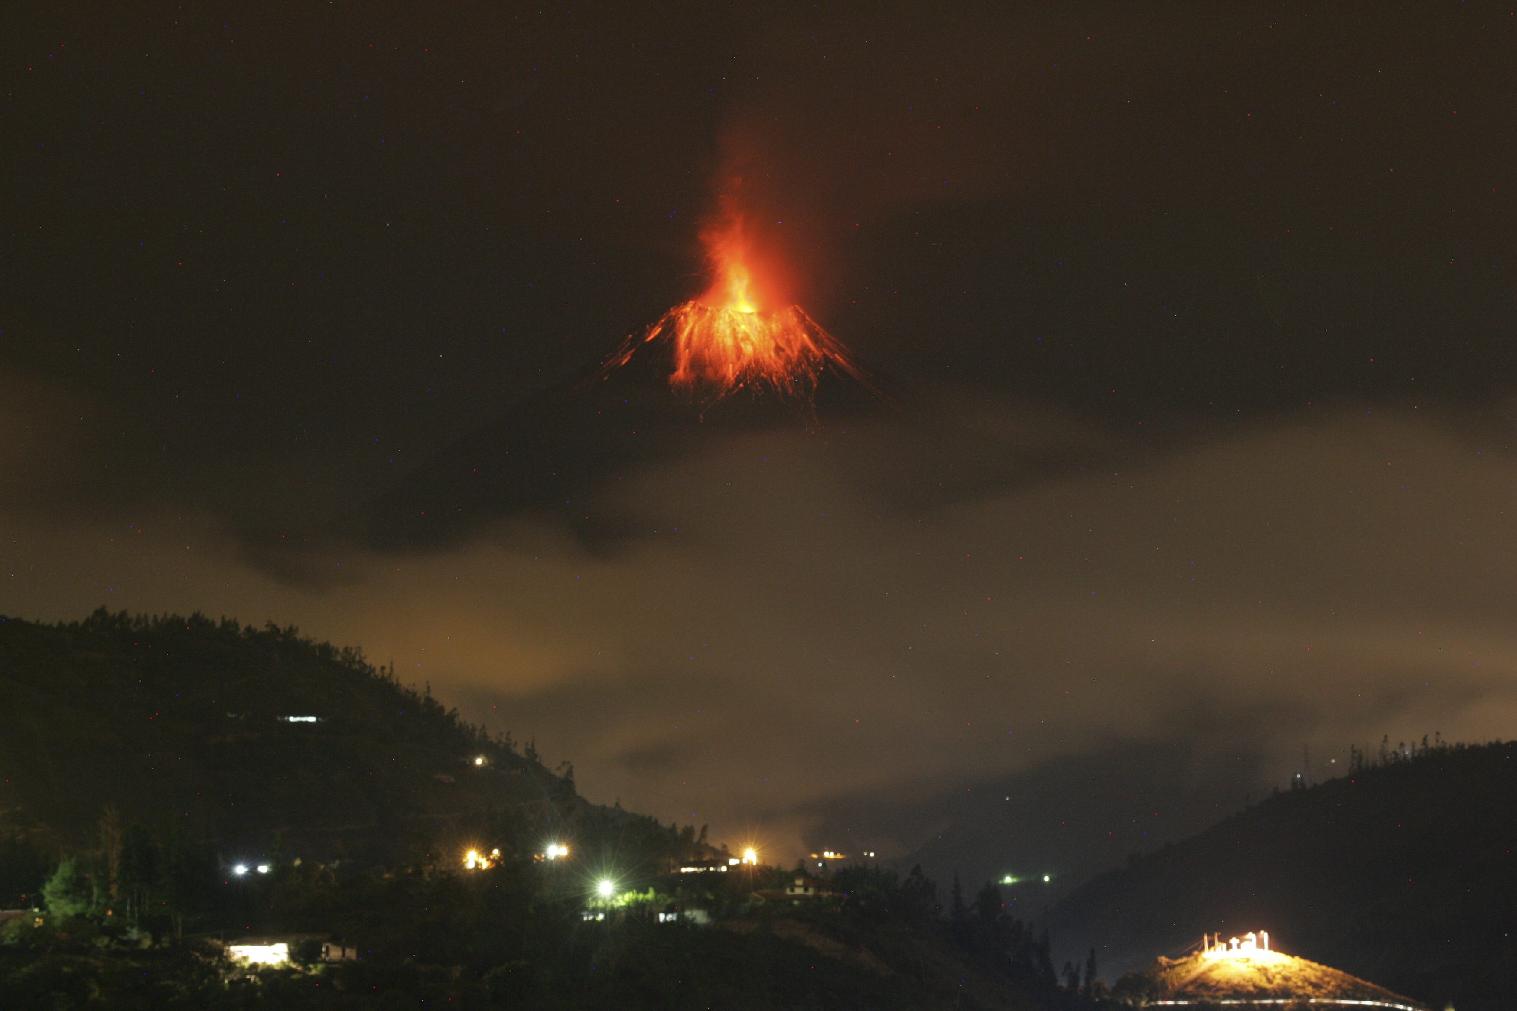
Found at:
<point>241,870</point>
<point>750,856</point>
<point>1250,947</point>
<point>835,855</point>
<point>1013,879</point>
<point>474,860</point>
<point>555,851</point>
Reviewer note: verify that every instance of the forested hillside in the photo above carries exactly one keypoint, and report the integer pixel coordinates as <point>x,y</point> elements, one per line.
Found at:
<point>183,725</point>
<point>157,799</point>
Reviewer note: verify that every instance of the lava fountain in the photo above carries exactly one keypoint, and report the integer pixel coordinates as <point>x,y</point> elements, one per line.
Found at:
<point>738,334</point>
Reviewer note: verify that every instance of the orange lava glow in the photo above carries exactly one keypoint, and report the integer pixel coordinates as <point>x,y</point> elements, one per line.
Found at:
<point>739,334</point>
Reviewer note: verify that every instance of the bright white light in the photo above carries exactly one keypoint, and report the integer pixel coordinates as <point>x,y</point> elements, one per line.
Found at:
<point>750,856</point>
<point>301,719</point>
<point>1010,879</point>
<point>479,760</point>
<point>1047,878</point>
<point>259,954</point>
<point>263,868</point>
<point>555,851</point>
<point>239,869</point>
<point>605,888</point>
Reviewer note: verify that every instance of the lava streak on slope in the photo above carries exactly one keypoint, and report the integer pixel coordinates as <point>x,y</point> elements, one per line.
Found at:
<point>738,335</point>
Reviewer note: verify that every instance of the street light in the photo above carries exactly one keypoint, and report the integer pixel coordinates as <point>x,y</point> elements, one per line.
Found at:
<point>605,888</point>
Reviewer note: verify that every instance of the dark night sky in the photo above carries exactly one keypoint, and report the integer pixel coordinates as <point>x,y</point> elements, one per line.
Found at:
<point>1195,324</point>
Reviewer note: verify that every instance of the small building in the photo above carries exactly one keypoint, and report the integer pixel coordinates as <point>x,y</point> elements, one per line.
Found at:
<point>826,861</point>
<point>803,888</point>
<point>684,914</point>
<point>806,887</point>
<point>331,951</point>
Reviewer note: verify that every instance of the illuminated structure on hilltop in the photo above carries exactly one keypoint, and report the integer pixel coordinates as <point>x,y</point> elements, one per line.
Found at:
<point>1246,971</point>
<point>1251,947</point>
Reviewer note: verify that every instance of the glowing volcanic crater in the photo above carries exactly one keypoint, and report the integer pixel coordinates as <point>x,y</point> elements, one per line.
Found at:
<point>738,335</point>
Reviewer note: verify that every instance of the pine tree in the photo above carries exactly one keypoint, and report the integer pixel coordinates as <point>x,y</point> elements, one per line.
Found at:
<point>69,892</point>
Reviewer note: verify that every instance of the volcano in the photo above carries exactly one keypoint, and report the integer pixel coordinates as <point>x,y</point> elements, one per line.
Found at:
<point>741,334</point>
<point>738,359</point>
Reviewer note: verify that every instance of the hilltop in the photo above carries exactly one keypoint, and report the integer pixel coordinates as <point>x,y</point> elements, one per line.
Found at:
<point>1401,872</point>
<point>1217,974</point>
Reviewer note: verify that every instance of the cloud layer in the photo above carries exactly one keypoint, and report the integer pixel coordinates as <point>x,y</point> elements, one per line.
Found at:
<point>867,620</point>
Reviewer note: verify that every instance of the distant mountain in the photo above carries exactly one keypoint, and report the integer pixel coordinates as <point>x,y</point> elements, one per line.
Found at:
<point>257,740</point>
<point>1403,872</point>
<point>1078,815</point>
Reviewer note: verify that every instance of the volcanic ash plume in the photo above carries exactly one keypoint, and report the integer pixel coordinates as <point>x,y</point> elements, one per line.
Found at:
<point>737,335</point>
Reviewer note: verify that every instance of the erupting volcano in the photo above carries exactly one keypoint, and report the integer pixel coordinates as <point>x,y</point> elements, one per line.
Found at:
<point>741,334</point>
